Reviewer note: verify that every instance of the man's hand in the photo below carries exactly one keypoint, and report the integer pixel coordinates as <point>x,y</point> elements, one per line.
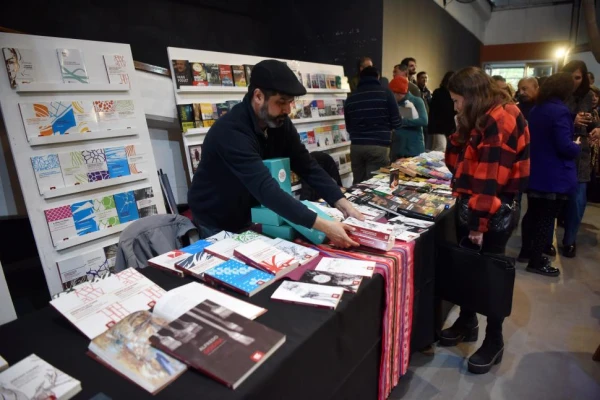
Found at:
<point>336,232</point>
<point>348,209</point>
<point>583,119</point>
<point>476,237</point>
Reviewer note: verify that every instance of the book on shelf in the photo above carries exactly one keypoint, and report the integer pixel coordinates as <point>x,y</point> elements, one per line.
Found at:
<point>226,75</point>
<point>239,75</point>
<point>321,108</point>
<point>222,109</point>
<point>47,172</point>
<point>322,81</point>
<point>232,103</point>
<point>314,81</point>
<point>218,342</point>
<point>248,71</point>
<point>370,228</point>
<point>125,113</point>
<point>125,348</point>
<point>86,119</point>
<point>314,109</point>
<point>83,215</point>
<point>308,294</point>
<point>206,111</point>
<point>72,67</point>
<point>116,161</point>
<point>61,224</point>
<point>105,212</point>
<point>213,74</point>
<point>145,201</point>
<point>126,207</point>
<point>260,254</point>
<point>348,282</point>
<point>186,117</point>
<point>36,119</point>
<point>199,75</point>
<point>86,266</point>
<point>94,306</point>
<point>137,159</point>
<point>116,68</point>
<point>208,123</point>
<point>345,266</point>
<point>195,156</point>
<point>166,262</point>
<point>95,164</point>
<point>34,378</point>
<point>182,72</point>
<point>239,277</point>
<point>19,66</point>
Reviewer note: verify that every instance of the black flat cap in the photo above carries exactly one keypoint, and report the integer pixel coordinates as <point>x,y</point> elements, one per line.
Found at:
<point>276,75</point>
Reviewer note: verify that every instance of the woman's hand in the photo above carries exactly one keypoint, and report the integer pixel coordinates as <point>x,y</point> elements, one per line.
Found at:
<point>583,119</point>
<point>578,140</point>
<point>476,237</point>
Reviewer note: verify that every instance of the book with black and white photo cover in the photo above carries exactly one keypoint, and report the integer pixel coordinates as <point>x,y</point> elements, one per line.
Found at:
<point>19,66</point>
<point>183,73</point>
<point>195,156</point>
<point>349,282</point>
<point>125,348</point>
<point>145,201</point>
<point>346,266</point>
<point>218,342</point>
<point>308,294</point>
<point>248,71</point>
<point>72,67</point>
<point>213,74</point>
<point>33,378</point>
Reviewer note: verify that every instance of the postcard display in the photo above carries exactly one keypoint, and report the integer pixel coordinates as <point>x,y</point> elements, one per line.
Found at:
<point>76,162</point>
<point>194,137</point>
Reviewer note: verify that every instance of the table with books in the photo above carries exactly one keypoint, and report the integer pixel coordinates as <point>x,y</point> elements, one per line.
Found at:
<point>271,319</point>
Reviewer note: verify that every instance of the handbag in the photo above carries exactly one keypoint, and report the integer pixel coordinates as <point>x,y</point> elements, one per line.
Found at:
<point>478,281</point>
<point>505,219</point>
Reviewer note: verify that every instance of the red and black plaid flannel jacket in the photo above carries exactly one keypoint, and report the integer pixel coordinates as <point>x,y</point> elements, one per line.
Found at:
<point>491,163</point>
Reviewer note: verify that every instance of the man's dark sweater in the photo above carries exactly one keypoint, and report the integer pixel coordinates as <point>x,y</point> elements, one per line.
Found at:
<point>371,113</point>
<point>232,178</point>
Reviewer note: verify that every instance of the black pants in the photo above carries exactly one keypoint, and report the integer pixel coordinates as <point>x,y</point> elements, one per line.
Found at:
<point>495,243</point>
<point>537,225</point>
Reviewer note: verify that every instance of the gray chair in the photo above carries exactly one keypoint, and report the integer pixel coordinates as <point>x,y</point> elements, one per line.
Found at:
<point>151,236</point>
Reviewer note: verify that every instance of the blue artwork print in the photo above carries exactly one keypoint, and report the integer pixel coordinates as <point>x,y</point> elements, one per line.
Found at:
<point>126,207</point>
<point>84,217</point>
<point>62,117</point>
<point>45,163</point>
<point>116,159</point>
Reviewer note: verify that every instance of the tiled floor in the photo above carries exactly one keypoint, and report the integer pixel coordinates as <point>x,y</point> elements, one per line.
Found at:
<point>549,339</point>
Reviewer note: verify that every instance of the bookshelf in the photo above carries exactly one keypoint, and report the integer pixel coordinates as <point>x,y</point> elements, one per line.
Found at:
<point>220,94</point>
<point>48,88</point>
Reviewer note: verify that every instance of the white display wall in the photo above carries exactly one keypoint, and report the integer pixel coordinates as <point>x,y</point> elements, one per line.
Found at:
<point>219,94</point>
<point>48,87</point>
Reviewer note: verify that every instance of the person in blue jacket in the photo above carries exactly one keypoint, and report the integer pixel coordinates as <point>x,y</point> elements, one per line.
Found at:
<point>407,140</point>
<point>553,170</point>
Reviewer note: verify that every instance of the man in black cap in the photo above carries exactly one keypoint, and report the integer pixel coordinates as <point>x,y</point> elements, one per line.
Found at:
<point>231,177</point>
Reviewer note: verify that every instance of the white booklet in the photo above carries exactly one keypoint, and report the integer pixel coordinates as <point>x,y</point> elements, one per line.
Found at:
<point>177,302</point>
<point>95,306</point>
<point>300,253</point>
<point>345,266</point>
<point>34,378</point>
<point>308,294</point>
<point>224,248</point>
<point>268,258</point>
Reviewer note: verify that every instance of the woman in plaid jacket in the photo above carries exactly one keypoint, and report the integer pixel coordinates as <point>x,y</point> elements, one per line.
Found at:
<point>489,158</point>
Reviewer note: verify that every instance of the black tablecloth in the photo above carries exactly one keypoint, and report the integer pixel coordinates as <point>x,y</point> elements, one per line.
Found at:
<point>327,354</point>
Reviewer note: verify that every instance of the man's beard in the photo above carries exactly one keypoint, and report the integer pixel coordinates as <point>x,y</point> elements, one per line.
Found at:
<point>271,121</point>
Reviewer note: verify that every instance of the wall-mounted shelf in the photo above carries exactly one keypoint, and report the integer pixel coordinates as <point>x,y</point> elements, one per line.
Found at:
<point>320,119</point>
<point>78,137</point>
<point>92,236</point>
<point>196,131</point>
<point>332,91</point>
<point>212,89</point>
<point>84,187</point>
<point>70,87</point>
<point>333,146</point>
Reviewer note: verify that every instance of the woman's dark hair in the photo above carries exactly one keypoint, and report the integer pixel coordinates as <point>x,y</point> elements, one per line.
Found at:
<point>446,78</point>
<point>573,66</point>
<point>369,71</point>
<point>480,93</point>
<point>558,86</point>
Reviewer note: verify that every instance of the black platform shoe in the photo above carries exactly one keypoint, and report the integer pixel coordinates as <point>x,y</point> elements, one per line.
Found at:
<point>462,330</point>
<point>550,251</point>
<point>489,354</point>
<point>570,251</point>
<point>544,268</point>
